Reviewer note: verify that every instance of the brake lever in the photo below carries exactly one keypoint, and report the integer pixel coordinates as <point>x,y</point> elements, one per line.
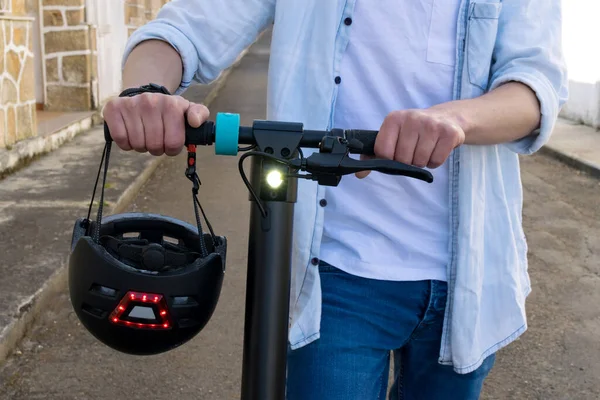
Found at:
<point>340,164</point>
<point>389,167</point>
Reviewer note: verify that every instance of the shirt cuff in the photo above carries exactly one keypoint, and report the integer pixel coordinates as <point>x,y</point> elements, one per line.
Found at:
<point>549,106</point>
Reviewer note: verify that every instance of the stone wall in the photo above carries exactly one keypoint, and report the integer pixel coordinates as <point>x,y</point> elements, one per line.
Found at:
<point>138,12</point>
<point>69,55</point>
<point>70,51</point>
<point>21,7</point>
<point>17,80</point>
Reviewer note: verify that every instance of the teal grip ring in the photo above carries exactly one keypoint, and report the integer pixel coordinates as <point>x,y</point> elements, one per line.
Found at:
<point>227,134</point>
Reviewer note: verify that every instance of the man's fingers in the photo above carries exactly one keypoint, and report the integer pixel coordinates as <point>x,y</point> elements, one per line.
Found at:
<point>408,137</point>
<point>116,125</point>
<point>153,125</point>
<point>443,148</point>
<point>174,126</point>
<point>152,122</point>
<point>197,114</point>
<point>424,149</point>
<point>387,138</point>
<point>363,174</point>
<point>134,125</point>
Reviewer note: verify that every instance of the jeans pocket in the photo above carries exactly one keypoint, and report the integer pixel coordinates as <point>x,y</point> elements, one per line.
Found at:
<point>481,41</point>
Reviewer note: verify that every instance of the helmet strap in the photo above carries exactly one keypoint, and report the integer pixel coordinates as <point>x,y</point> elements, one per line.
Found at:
<point>104,160</point>
<point>190,173</point>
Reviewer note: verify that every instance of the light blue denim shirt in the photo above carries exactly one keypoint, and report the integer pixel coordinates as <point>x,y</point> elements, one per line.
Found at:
<point>497,41</point>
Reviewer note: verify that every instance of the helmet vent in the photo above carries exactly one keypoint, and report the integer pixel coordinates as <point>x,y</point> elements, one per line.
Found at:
<point>187,322</point>
<point>96,312</point>
<point>183,301</point>
<point>131,235</point>
<point>170,239</point>
<point>103,291</point>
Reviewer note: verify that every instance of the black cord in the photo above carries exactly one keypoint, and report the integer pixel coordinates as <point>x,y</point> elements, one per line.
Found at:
<point>101,205</point>
<point>196,182</point>
<point>209,226</point>
<point>203,250</point>
<point>269,156</point>
<point>96,183</point>
<point>247,148</point>
<point>261,207</point>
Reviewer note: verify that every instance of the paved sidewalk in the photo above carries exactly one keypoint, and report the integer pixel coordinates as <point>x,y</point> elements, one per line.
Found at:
<point>576,145</point>
<point>54,129</point>
<point>38,208</point>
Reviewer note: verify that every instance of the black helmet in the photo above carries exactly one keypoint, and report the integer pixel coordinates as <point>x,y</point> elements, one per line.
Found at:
<point>144,283</point>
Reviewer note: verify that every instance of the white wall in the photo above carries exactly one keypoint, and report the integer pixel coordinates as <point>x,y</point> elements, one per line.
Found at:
<point>581,44</point>
<point>37,57</point>
<point>111,40</point>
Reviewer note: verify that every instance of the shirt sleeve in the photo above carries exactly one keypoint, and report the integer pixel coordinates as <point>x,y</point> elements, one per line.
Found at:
<point>529,50</point>
<point>209,35</point>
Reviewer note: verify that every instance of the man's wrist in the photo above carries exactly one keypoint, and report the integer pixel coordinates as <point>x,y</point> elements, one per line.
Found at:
<point>149,88</point>
<point>457,113</point>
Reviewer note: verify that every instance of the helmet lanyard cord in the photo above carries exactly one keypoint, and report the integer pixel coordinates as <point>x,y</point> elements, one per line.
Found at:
<point>96,184</point>
<point>105,160</point>
<point>191,174</point>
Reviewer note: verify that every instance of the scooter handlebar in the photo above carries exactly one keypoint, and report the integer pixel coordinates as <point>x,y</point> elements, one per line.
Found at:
<point>227,135</point>
<point>367,138</point>
<point>234,134</point>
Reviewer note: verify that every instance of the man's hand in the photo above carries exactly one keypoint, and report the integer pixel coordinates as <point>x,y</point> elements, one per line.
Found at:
<point>152,122</point>
<point>423,138</point>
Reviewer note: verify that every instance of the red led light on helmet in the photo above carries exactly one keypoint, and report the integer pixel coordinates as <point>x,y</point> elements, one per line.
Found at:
<point>156,302</point>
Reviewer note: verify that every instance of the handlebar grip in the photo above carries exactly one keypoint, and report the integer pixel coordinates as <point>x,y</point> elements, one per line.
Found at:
<point>204,135</point>
<point>367,138</point>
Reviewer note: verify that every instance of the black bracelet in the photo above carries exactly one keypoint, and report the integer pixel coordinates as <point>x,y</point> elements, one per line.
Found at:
<point>150,88</point>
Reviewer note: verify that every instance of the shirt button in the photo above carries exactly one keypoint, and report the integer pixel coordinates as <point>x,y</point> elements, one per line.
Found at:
<point>348,21</point>
<point>338,80</point>
<point>314,261</point>
<point>323,202</point>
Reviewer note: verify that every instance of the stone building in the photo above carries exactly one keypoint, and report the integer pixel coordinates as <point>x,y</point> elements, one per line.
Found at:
<point>59,56</point>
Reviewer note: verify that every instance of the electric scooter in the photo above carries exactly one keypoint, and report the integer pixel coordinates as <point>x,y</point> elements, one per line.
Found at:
<point>277,159</point>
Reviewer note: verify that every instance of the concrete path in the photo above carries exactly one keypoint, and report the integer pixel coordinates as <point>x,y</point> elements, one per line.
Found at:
<point>576,145</point>
<point>557,359</point>
<point>38,208</point>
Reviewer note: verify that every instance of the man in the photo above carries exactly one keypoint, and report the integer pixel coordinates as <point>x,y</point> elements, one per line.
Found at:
<point>434,273</point>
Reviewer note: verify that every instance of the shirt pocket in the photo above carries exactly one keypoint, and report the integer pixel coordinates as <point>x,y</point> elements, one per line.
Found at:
<point>441,41</point>
<point>482,32</point>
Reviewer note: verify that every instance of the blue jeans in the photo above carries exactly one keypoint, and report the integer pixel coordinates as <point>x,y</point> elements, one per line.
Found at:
<point>364,321</point>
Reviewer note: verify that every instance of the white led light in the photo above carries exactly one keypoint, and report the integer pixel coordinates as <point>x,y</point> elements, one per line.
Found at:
<point>274,179</point>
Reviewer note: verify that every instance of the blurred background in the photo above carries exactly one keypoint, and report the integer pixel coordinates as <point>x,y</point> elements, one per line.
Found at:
<point>60,62</point>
